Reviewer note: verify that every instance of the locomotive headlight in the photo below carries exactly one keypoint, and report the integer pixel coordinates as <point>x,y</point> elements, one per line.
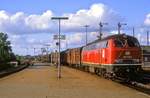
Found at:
<point>118,61</point>
<point>127,53</point>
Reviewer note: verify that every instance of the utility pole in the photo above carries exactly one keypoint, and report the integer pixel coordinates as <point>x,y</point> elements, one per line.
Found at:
<point>119,26</point>
<point>34,51</point>
<point>42,51</point>
<point>100,29</point>
<point>47,48</point>
<point>34,54</point>
<point>133,32</point>
<point>27,51</point>
<point>147,38</point>
<point>86,39</point>
<point>59,20</point>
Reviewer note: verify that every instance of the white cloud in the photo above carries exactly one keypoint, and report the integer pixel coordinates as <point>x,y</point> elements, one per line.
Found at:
<point>19,24</point>
<point>31,40</point>
<point>147,20</point>
<point>93,34</point>
<point>92,17</point>
<point>114,32</point>
<point>75,38</point>
<point>39,22</point>
<point>78,39</point>
<point>22,23</point>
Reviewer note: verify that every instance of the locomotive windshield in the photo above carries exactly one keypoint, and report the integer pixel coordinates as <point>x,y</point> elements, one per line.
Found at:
<point>131,42</point>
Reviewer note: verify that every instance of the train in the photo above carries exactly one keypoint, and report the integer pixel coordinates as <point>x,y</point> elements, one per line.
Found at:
<point>114,56</point>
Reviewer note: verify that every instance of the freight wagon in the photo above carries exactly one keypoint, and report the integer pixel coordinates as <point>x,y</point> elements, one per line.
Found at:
<point>74,56</point>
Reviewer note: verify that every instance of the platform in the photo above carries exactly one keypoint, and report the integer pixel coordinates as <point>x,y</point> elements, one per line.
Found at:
<point>42,82</point>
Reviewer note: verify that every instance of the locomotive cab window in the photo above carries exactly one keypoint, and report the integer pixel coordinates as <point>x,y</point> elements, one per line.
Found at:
<point>119,42</point>
<point>130,42</point>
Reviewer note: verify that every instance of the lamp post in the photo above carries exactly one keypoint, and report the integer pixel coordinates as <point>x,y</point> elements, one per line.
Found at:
<point>147,38</point>
<point>86,39</point>
<point>119,26</point>
<point>59,20</point>
<point>100,29</point>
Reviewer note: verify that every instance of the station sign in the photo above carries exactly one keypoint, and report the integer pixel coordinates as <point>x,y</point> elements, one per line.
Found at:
<point>62,37</point>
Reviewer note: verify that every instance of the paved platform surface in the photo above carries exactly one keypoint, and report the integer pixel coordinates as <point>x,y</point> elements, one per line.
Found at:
<point>41,82</point>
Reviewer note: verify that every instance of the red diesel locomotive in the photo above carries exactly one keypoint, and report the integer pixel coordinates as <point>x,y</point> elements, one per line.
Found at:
<point>114,56</point>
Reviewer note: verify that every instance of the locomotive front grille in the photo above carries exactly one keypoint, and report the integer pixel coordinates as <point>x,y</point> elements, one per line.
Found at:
<point>125,61</point>
<point>128,62</point>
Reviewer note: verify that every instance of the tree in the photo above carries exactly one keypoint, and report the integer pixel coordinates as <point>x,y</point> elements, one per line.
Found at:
<point>5,48</point>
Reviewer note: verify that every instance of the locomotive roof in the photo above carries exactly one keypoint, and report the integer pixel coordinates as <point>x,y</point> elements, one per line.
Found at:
<point>109,37</point>
<point>106,38</point>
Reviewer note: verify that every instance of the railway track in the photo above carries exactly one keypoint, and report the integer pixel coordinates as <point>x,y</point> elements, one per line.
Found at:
<point>138,86</point>
<point>142,85</point>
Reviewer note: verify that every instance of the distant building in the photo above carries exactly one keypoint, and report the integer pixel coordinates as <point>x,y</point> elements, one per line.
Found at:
<point>146,55</point>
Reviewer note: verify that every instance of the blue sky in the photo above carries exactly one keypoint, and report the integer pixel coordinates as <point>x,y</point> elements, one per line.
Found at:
<point>27,21</point>
<point>131,9</point>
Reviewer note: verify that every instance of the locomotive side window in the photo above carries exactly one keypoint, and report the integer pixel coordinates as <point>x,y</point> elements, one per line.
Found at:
<point>92,46</point>
<point>97,45</point>
<point>106,44</point>
<point>102,44</point>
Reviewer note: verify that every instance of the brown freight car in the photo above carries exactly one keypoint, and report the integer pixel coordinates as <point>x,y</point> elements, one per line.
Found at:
<point>68,54</point>
<point>74,56</point>
<point>63,57</point>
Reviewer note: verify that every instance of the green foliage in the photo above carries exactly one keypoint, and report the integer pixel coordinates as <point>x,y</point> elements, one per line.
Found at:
<point>6,54</point>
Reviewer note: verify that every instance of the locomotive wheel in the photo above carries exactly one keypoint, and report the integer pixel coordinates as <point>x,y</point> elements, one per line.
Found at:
<point>96,71</point>
<point>104,73</point>
<point>86,68</point>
